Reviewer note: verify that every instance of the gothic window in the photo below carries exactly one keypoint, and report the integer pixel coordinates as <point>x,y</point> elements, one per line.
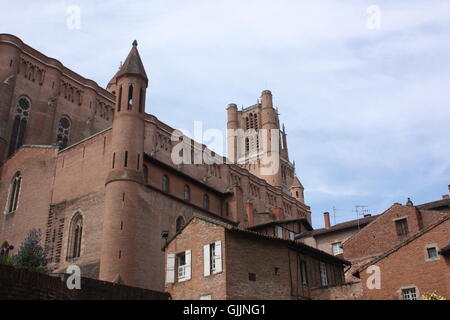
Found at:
<point>165,183</point>
<point>14,190</point>
<point>63,132</point>
<point>19,125</point>
<point>205,202</point>
<point>75,235</point>
<point>187,193</point>
<point>180,224</point>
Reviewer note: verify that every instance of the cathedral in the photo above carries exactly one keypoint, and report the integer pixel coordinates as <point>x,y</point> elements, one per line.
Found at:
<point>95,173</point>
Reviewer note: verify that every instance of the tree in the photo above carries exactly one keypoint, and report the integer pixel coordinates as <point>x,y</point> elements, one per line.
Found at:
<point>31,254</point>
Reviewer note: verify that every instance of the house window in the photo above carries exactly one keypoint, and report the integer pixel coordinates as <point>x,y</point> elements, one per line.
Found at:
<point>187,193</point>
<point>279,231</point>
<point>212,258</point>
<point>63,133</point>
<point>336,247</point>
<point>402,227</point>
<point>165,183</point>
<point>19,126</point>
<point>184,266</point>
<point>206,202</point>
<point>432,253</point>
<point>75,235</point>
<point>181,263</point>
<point>304,273</point>
<point>409,294</point>
<point>14,190</point>
<point>323,274</point>
<point>291,235</point>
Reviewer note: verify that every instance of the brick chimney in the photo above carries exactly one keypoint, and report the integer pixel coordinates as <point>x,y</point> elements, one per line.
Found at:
<point>326,218</point>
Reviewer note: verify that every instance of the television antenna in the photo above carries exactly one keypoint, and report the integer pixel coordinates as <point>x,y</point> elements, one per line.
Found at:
<point>360,210</point>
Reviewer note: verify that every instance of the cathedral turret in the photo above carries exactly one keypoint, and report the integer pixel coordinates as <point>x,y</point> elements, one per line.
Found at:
<point>123,257</point>
<point>297,190</point>
<point>232,126</point>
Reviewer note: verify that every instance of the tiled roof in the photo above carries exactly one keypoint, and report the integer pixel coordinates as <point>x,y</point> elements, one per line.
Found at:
<point>278,222</point>
<point>435,204</point>
<point>293,244</point>
<point>340,226</point>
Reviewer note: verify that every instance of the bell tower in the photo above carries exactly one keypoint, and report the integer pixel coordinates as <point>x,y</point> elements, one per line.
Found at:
<point>123,256</point>
<point>262,149</point>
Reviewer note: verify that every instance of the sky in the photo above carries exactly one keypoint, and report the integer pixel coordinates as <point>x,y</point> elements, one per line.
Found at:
<point>363,87</point>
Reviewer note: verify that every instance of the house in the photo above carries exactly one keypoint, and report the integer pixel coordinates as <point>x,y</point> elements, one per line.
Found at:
<point>419,264</point>
<point>212,259</point>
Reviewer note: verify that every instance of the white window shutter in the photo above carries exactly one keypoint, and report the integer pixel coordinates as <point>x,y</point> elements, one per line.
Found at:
<point>188,265</point>
<point>218,256</point>
<point>170,274</point>
<point>206,261</point>
<point>279,232</point>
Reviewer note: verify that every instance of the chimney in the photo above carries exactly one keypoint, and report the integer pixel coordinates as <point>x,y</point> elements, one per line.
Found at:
<point>326,217</point>
<point>445,196</point>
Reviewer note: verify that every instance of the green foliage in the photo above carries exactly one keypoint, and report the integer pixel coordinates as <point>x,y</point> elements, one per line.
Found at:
<point>31,254</point>
<point>7,261</point>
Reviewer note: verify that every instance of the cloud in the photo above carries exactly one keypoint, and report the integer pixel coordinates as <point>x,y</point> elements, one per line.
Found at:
<point>366,110</point>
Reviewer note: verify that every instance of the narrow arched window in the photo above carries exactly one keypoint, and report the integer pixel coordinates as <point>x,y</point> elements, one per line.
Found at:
<point>75,236</point>
<point>247,145</point>
<point>187,193</point>
<point>205,202</point>
<point>180,224</point>
<point>130,96</point>
<point>145,170</point>
<point>141,100</point>
<point>119,101</point>
<point>14,190</point>
<point>19,126</point>
<point>63,133</point>
<point>165,183</point>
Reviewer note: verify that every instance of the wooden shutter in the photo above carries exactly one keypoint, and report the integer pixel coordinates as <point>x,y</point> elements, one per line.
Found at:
<point>206,261</point>
<point>188,265</point>
<point>170,274</point>
<point>218,256</point>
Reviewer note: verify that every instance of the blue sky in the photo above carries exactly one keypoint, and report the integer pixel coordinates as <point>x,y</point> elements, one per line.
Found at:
<point>367,111</point>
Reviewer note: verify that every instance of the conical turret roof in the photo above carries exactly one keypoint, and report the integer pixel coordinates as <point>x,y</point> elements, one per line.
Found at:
<point>133,65</point>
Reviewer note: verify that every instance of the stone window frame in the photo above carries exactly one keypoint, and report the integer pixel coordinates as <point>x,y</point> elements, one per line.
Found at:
<point>429,246</point>
<point>407,225</point>
<point>16,182</point>
<point>77,215</point>
<point>408,287</point>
